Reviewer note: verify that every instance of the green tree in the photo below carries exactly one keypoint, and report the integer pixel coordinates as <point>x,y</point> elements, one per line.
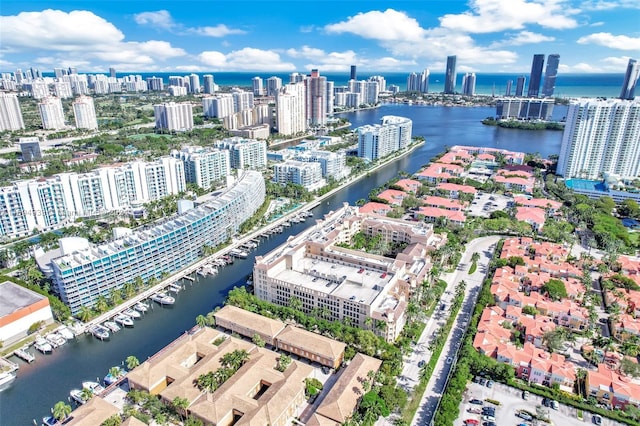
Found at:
<point>61,410</point>
<point>258,341</point>
<point>114,420</point>
<point>629,367</point>
<point>555,289</point>
<point>629,208</point>
<point>180,405</point>
<point>102,305</point>
<point>132,362</point>
<point>84,314</point>
<point>554,339</point>
<point>201,321</point>
<point>283,362</point>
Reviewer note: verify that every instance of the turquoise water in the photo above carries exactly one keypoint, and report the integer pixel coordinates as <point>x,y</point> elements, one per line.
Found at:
<point>586,185</point>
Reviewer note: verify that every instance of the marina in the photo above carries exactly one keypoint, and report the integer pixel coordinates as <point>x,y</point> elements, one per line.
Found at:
<point>24,354</point>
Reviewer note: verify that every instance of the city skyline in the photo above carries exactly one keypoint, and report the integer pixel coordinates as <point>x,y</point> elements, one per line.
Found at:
<point>486,36</point>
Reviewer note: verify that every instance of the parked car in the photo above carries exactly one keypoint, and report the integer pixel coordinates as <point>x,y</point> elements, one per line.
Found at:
<point>476,379</point>
<point>488,410</point>
<point>525,416</point>
<point>471,422</point>
<point>474,410</point>
<point>554,404</point>
<point>489,418</point>
<point>476,401</point>
<point>489,383</point>
<point>596,419</point>
<point>488,424</point>
<point>545,402</point>
<point>525,395</point>
<point>421,363</point>
<point>482,382</point>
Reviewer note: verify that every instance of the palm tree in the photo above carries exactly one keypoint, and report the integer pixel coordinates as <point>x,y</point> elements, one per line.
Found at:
<point>581,382</point>
<point>132,362</point>
<point>84,314</point>
<point>115,372</point>
<point>101,304</point>
<point>61,410</point>
<point>86,394</point>
<point>295,303</point>
<point>115,296</point>
<point>181,405</point>
<point>201,321</point>
<point>475,256</point>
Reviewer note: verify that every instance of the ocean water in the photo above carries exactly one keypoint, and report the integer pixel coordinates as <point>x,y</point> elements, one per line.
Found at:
<point>567,85</point>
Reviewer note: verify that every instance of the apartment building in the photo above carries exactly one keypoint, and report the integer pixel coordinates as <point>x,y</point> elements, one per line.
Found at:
<point>245,153</point>
<point>82,272</point>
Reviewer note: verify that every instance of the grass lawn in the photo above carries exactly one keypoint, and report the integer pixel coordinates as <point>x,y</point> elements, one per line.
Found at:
<point>151,135</point>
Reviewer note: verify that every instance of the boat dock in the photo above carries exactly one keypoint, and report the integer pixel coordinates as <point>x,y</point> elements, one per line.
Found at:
<point>7,366</point>
<point>24,354</point>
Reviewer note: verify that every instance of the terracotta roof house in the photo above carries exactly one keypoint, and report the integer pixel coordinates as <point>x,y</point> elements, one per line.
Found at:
<point>372,207</point>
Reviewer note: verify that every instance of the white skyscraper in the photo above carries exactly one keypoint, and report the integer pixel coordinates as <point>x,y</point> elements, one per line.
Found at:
<point>245,153</point>
<point>256,83</point>
<point>10,113</point>
<point>51,113</point>
<point>220,106</point>
<point>202,166</point>
<point>290,109</point>
<point>316,97</point>
<point>85,113</point>
<point>62,89</point>
<point>208,84</point>
<point>469,84</point>
<point>379,140</point>
<point>173,116</point>
<point>194,83</point>
<point>601,137</point>
<point>273,85</point>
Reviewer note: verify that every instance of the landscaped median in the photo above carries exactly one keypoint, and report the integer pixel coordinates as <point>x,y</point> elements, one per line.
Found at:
<point>427,370</point>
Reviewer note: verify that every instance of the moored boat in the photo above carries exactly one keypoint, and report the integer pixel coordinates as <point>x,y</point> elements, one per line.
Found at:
<point>99,332</point>
<point>238,253</point>
<point>111,326</point>
<point>123,320</point>
<point>141,307</point>
<point>50,421</point>
<point>163,299</point>
<point>66,333</point>
<point>42,345</point>
<point>6,378</point>
<point>95,387</point>
<point>131,313</point>
<point>76,395</point>
<point>175,287</point>
<point>112,378</point>
<point>55,339</point>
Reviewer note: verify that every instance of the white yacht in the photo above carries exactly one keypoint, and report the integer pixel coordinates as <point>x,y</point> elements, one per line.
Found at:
<point>42,345</point>
<point>6,378</point>
<point>55,339</point>
<point>76,395</point>
<point>111,325</point>
<point>141,307</point>
<point>131,313</point>
<point>66,333</point>
<point>123,320</point>
<point>95,387</point>
<point>100,332</point>
<point>163,299</point>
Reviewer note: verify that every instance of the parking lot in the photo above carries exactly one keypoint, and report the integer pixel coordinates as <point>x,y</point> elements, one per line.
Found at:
<point>485,203</point>
<point>511,402</point>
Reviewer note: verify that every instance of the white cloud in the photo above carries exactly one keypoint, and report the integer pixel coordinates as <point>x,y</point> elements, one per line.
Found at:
<point>528,37</point>
<point>163,19</point>
<point>307,28</point>
<point>377,25</point>
<point>616,63</point>
<point>597,24</point>
<point>247,59</point>
<point>57,30</point>
<point>584,67</point>
<point>611,41</point>
<point>489,16</point>
<point>219,30</point>
<point>160,18</point>
<point>79,36</point>
<point>341,61</point>
<point>609,4</point>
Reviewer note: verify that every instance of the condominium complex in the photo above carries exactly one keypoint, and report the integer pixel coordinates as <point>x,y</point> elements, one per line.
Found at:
<point>535,78</point>
<point>345,284</point>
<point>601,138</point>
<point>290,109</point>
<point>525,108</point>
<point>81,272</point>
<point>245,153</point>
<point>308,175</point>
<point>49,203</point>
<point>550,75</point>
<point>51,113</point>
<point>316,98</point>
<point>273,85</point>
<point>469,84</point>
<point>30,149</point>
<point>333,164</point>
<point>85,113</point>
<point>208,84</point>
<point>450,76</point>
<point>418,82</point>
<point>10,113</point>
<point>379,140</point>
<point>630,80</point>
<point>219,106</point>
<point>174,117</point>
<point>204,167</point>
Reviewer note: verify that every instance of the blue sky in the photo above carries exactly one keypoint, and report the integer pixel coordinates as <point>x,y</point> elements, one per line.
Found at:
<point>283,36</point>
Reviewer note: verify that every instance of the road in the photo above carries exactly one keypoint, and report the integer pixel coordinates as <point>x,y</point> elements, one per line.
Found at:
<point>485,247</point>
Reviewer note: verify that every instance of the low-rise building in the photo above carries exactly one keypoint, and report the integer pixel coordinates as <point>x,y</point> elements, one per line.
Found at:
<point>312,346</point>
<point>249,324</point>
<point>20,308</point>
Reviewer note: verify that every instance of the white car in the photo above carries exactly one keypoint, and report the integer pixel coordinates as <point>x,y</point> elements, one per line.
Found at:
<point>488,418</point>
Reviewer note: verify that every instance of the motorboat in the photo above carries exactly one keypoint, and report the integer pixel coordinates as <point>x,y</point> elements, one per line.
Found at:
<point>95,387</point>
<point>175,287</point>
<point>163,299</point>
<point>76,395</point>
<point>6,378</point>
<point>131,313</point>
<point>66,333</point>
<point>238,253</point>
<point>50,421</point>
<point>141,307</point>
<point>111,325</point>
<point>109,379</point>
<point>55,339</point>
<point>99,332</point>
<point>123,320</point>
<point>42,345</point>
<point>24,355</point>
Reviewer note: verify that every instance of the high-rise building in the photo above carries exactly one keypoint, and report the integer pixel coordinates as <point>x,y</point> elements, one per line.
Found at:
<point>85,113</point>
<point>520,82</point>
<point>194,83</point>
<point>256,84</point>
<point>30,149</point>
<point>316,98</point>
<point>220,106</point>
<point>330,97</point>
<point>59,72</point>
<point>379,140</point>
<point>630,80</point>
<point>172,116</point>
<point>242,100</point>
<point>302,173</point>
<point>245,153</point>
<point>550,75</point>
<point>418,82</point>
<point>535,78</point>
<point>273,85</point>
<point>209,86</point>
<point>525,108</point>
<point>507,92</point>
<point>353,75</point>
<point>62,89</point>
<point>290,109</point>
<point>469,84</point>
<point>51,113</point>
<point>155,84</point>
<point>10,113</point>
<point>112,72</point>
<point>204,167</point>
<point>296,77</point>
<point>450,76</point>
<point>601,138</point>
